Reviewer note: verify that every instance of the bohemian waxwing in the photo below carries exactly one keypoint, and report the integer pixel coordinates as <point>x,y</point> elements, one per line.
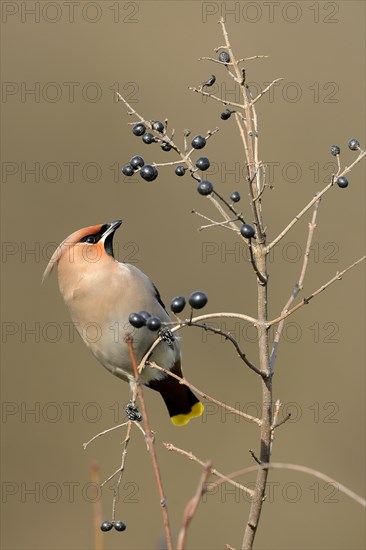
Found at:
<point>100,294</point>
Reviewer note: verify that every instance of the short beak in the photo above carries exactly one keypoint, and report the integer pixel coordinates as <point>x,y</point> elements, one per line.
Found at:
<point>111,228</point>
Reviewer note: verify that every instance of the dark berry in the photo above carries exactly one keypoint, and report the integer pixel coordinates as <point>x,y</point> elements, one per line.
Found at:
<point>166,147</point>
<point>128,170</point>
<point>198,142</point>
<point>211,81</point>
<point>342,182</point>
<point>137,161</point>
<point>136,320</point>
<point>158,126</point>
<point>180,170</point>
<point>335,150</point>
<point>225,114</point>
<point>119,526</point>
<point>235,196</point>
<point>148,138</point>
<point>178,304</point>
<point>106,526</point>
<point>139,129</point>
<point>145,314</point>
<point>202,163</point>
<point>198,300</point>
<point>354,144</point>
<point>153,323</point>
<point>205,187</point>
<point>148,172</point>
<point>224,57</point>
<point>247,231</point>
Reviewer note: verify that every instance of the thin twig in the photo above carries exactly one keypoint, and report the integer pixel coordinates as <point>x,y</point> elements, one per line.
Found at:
<point>205,395</point>
<point>97,507</point>
<point>122,468</point>
<point>104,432</point>
<point>189,322</point>
<point>192,506</point>
<point>313,201</point>
<point>213,223</point>
<point>298,286</point>
<point>298,468</point>
<point>337,277</point>
<point>213,471</point>
<point>216,98</point>
<point>253,101</point>
<point>231,339</point>
<point>151,447</point>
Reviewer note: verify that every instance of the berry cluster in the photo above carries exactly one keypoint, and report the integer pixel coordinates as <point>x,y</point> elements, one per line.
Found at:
<point>108,525</point>
<point>145,319</point>
<point>197,300</point>
<point>148,172</point>
<point>335,150</point>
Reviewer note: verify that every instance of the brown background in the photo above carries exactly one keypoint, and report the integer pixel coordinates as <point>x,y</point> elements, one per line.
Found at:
<point>151,51</point>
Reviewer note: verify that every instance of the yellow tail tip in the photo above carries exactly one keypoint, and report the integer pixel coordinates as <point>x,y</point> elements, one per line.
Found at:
<point>183,419</point>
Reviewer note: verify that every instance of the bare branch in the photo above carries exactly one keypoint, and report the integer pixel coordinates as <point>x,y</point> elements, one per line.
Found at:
<point>231,339</point>
<point>213,471</point>
<point>223,101</point>
<point>151,448</point>
<point>298,468</point>
<point>265,90</point>
<point>205,395</point>
<point>313,201</point>
<point>337,277</point>
<point>192,506</point>
<point>298,286</point>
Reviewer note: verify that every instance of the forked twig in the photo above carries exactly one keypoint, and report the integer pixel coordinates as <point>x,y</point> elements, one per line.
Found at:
<point>151,447</point>
<point>337,277</point>
<point>298,468</point>
<point>192,506</point>
<point>213,471</point>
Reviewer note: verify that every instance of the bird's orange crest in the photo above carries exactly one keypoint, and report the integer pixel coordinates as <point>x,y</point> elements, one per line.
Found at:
<point>67,244</point>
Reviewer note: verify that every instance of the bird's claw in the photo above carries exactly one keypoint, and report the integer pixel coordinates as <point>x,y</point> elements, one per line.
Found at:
<point>132,412</point>
<point>167,335</point>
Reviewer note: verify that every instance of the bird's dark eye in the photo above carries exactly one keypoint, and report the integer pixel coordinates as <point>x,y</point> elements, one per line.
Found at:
<point>91,239</point>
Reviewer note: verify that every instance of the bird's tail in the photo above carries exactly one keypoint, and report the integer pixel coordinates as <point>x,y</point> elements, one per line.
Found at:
<point>181,402</point>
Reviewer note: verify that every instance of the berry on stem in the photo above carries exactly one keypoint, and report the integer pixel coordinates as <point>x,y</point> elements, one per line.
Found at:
<point>139,129</point>
<point>158,126</point>
<point>211,81</point>
<point>197,300</point>
<point>119,526</point>
<point>354,144</point>
<point>180,170</point>
<point>148,138</point>
<point>335,150</point>
<point>198,142</point>
<point>153,323</point>
<point>224,57</point>
<point>148,172</point>
<point>106,526</point>
<point>226,114</point>
<point>342,182</point>
<point>247,231</point>
<point>136,320</point>
<point>137,161</point>
<point>166,147</point>
<point>202,163</point>
<point>205,187</point>
<point>178,304</point>
<point>145,314</point>
<point>235,196</point>
<point>128,170</point>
